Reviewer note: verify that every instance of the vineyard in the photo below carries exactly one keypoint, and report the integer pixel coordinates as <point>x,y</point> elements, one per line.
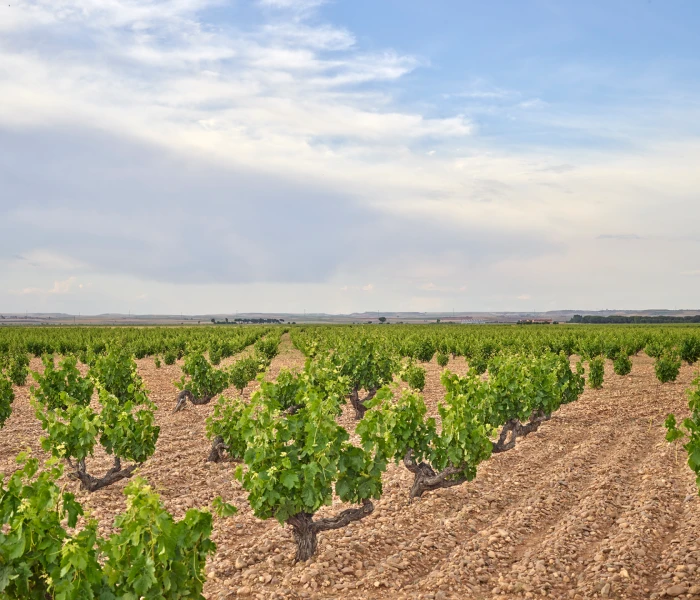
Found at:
<point>396,461</point>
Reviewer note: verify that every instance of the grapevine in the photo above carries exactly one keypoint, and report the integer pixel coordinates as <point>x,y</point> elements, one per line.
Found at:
<point>7,396</point>
<point>125,426</point>
<point>689,429</point>
<point>200,381</point>
<point>149,556</point>
<point>294,461</point>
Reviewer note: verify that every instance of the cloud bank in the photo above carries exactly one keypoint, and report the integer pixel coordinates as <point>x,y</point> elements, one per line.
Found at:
<point>185,163</point>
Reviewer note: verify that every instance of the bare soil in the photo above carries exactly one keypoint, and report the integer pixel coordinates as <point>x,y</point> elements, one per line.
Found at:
<point>595,504</point>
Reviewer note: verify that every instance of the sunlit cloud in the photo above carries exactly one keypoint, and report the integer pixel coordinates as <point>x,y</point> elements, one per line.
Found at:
<point>182,160</point>
<point>59,287</point>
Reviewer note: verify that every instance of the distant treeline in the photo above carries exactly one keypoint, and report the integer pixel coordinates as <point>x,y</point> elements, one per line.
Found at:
<point>620,319</point>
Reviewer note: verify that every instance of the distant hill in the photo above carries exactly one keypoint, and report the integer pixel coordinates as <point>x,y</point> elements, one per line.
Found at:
<point>362,317</point>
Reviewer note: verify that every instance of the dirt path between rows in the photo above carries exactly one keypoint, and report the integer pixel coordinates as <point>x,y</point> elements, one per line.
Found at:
<point>594,505</point>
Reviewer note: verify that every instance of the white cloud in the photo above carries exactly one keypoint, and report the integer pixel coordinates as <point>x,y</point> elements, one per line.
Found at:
<point>62,287</point>
<point>533,103</point>
<point>298,5</point>
<point>212,144</point>
<point>41,258</point>
<point>480,91</point>
<point>59,287</point>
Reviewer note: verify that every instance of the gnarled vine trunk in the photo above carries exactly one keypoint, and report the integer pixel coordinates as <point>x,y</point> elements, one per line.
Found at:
<point>305,529</point>
<point>92,484</point>
<point>305,535</point>
<point>517,429</point>
<point>218,449</point>
<point>425,479</point>
<point>359,404</point>
<point>292,410</point>
<point>186,395</point>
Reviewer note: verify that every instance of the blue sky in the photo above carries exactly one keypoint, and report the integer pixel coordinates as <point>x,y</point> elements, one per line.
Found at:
<point>279,155</point>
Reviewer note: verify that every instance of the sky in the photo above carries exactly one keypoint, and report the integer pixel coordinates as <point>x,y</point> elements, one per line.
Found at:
<point>220,156</point>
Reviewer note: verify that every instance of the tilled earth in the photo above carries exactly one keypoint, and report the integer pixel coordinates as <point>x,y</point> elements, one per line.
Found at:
<point>595,504</point>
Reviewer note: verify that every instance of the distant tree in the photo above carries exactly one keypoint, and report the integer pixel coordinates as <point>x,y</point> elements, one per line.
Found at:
<point>382,319</point>
<point>213,321</point>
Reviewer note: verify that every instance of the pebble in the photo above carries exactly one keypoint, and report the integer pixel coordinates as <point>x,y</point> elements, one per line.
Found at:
<point>676,590</point>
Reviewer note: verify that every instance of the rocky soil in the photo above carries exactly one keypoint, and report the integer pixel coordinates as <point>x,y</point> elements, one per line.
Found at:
<point>593,505</point>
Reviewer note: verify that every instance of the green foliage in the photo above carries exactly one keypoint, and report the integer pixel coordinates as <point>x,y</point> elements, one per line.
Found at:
<point>128,429</point>
<point>510,389</point>
<point>471,411</point>
<point>55,384</point>
<point>622,365</point>
<point>116,373</point>
<point>393,426</point>
<point>689,349</point>
<point>267,347</point>
<point>667,367</point>
<point>125,426</point>
<point>243,371</point>
<point>366,363</point>
<point>18,367</point>
<point>215,354</point>
<point>136,341</point>
<point>414,376</point>
<point>7,396</point>
<point>71,429</point>
<point>521,385</point>
<point>571,383</point>
<point>150,556</point>
<point>396,424</point>
<point>689,430</point>
<point>478,364</point>
<point>464,439</point>
<point>37,557</point>
<point>204,380</point>
<point>442,359</point>
<point>223,509</point>
<point>424,349</point>
<point>156,362</point>
<point>654,349</point>
<point>230,420</point>
<point>613,349</point>
<point>596,372</point>
<point>170,357</point>
<point>288,389</point>
<point>295,462</point>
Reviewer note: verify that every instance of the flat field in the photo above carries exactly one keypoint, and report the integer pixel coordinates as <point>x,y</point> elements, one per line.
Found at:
<point>594,504</point>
